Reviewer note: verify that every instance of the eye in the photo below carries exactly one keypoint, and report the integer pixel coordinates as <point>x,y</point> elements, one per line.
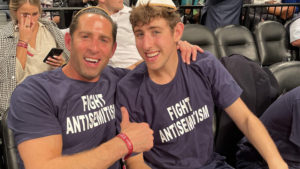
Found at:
<point>104,40</point>
<point>139,34</point>
<point>35,14</point>
<point>156,32</point>
<point>84,36</point>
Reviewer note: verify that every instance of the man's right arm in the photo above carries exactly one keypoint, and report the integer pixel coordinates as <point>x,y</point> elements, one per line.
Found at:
<point>46,152</point>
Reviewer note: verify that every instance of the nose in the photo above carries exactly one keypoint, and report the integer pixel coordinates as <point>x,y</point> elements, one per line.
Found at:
<point>94,46</point>
<point>147,42</point>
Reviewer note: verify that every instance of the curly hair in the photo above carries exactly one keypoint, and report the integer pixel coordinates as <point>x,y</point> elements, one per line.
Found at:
<point>144,14</point>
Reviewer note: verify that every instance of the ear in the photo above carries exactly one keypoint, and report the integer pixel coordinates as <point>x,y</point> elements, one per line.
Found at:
<point>68,40</point>
<point>178,30</point>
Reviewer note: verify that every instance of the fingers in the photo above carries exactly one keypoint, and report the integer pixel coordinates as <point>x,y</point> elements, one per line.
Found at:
<point>125,117</point>
<point>186,51</point>
<point>27,22</point>
<point>195,50</point>
<point>194,55</point>
<point>140,134</point>
<point>199,49</point>
<point>57,61</point>
<point>26,27</point>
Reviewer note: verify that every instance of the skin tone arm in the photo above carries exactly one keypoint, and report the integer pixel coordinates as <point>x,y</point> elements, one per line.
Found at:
<point>284,12</point>
<point>256,133</point>
<point>296,43</point>
<point>46,152</point>
<point>25,36</point>
<point>136,162</point>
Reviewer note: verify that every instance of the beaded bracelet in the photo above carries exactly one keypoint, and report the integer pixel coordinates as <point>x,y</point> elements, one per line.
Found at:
<point>128,143</point>
<point>24,45</point>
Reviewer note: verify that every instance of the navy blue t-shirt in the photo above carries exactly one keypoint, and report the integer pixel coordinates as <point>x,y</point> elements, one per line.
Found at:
<point>282,120</point>
<point>50,103</point>
<point>180,112</point>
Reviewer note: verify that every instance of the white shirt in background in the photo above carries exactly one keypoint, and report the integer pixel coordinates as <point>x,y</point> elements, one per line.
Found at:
<point>126,53</point>
<point>295,31</point>
<point>263,1</point>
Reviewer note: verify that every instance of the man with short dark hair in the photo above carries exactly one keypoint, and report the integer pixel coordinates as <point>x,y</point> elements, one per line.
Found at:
<point>67,118</point>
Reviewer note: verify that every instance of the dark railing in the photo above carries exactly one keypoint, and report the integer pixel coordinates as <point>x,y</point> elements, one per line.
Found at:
<point>4,7</point>
<point>65,14</point>
<point>250,13</point>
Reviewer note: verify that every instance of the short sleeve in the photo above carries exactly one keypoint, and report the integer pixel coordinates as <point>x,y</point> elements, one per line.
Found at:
<point>31,114</point>
<point>224,88</point>
<point>295,31</point>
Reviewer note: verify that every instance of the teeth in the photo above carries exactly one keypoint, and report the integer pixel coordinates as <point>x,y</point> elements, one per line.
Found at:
<point>92,60</point>
<point>152,54</point>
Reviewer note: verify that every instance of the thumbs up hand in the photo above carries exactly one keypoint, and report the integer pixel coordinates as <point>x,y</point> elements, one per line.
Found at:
<point>140,134</point>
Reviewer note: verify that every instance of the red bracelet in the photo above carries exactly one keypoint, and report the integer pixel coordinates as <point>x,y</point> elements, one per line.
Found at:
<point>23,45</point>
<point>128,143</point>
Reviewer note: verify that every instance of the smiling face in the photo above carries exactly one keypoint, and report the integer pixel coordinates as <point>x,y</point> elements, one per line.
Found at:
<point>91,47</point>
<point>156,43</point>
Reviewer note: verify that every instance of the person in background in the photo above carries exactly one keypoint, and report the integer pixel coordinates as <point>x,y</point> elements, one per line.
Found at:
<point>283,12</point>
<point>24,43</point>
<point>294,31</point>
<point>126,53</point>
<point>218,13</point>
<point>193,14</point>
<point>178,100</point>
<point>54,16</point>
<point>282,121</point>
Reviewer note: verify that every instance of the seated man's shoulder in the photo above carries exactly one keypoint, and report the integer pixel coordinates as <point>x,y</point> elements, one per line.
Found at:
<point>204,58</point>
<point>135,76</point>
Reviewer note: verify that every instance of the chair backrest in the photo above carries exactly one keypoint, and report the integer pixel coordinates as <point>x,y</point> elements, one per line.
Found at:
<point>272,43</point>
<point>9,147</point>
<point>260,89</point>
<point>236,39</point>
<point>200,35</point>
<point>287,75</point>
